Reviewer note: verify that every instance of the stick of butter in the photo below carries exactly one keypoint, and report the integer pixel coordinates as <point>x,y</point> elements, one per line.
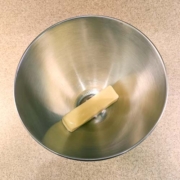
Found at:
<point>86,111</point>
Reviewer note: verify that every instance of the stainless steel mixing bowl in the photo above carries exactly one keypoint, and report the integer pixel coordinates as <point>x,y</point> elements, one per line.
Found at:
<point>73,60</point>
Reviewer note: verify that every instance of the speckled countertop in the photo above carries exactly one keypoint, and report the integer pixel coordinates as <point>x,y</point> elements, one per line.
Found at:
<point>158,157</point>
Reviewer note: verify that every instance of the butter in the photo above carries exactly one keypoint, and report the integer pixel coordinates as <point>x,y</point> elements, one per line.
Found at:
<point>86,111</point>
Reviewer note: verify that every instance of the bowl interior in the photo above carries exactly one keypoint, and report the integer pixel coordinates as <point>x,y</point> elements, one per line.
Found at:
<point>78,58</point>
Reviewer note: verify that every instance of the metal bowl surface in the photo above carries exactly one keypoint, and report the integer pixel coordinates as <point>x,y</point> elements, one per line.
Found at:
<point>74,60</point>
